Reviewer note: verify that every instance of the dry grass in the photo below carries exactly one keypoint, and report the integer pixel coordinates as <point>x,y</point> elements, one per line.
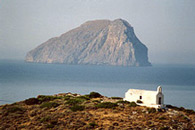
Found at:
<point>122,116</point>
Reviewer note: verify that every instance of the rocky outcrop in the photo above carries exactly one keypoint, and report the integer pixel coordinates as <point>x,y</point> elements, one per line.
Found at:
<point>94,42</point>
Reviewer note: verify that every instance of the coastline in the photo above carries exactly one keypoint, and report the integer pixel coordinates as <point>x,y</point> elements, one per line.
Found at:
<point>21,80</point>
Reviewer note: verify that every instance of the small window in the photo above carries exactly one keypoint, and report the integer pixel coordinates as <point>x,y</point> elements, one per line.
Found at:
<point>140,97</point>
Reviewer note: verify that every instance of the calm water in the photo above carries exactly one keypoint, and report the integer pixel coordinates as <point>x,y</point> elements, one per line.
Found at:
<point>20,80</point>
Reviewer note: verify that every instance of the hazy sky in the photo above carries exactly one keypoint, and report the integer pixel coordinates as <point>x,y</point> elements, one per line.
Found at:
<point>166,27</point>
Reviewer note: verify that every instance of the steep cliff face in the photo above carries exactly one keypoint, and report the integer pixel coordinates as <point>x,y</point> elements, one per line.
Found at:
<point>94,42</point>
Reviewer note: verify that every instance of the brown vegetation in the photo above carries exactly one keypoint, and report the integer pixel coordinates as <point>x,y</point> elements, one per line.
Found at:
<point>73,111</point>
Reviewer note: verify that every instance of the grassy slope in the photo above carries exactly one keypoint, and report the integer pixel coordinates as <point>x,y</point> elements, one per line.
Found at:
<point>93,111</point>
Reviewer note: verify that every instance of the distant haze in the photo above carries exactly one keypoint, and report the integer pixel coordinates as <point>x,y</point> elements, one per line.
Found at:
<point>166,27</point>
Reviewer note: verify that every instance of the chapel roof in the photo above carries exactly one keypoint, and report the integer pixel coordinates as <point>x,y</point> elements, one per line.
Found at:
<point>141,91</point>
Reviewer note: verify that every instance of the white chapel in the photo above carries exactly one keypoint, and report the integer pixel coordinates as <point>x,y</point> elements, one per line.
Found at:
<point>146,98</point>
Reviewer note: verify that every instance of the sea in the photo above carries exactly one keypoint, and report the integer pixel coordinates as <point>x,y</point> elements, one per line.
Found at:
<point>20,80</point>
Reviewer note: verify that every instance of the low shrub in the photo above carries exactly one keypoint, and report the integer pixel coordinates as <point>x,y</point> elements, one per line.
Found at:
<point>77,108</point>
<point>139,101</point>
<point>84,97</point>
<point>45,119</point>
<point>133,104</point>
<point>115,124</point>
<point>117,98</point>
<point>164,128</point>
<point>175,108</point>
<point>162,118</point>
<point>49,105</point>
<point>48,121</point>
<point>67,97</point>
<point>22,126</point>
<point>170,106</point>
<point>186,118</point>
<point>15,109</point>
<point>151,110</point>
<point>189,111</point>
<point>43,98</point>
<point>75,101</point>
<point>92,124</point>
<point>123,102</point>
<point>106,105</point>
<point>96,101</point>
<point>31,101</point>
<point>161,110</point>
<point>50,126</point>
<point>54,121</point>
<point>94,95</point>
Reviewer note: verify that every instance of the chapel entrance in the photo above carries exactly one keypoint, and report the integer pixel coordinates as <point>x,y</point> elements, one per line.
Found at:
<point>159,100</point>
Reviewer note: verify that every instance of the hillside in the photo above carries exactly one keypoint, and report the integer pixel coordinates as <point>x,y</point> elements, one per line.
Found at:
<point>93,111</point>
<point>94,42</point>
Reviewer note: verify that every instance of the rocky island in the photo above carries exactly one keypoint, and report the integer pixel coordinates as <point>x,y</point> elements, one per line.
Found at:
<point>69,111</point>
<point>99,42</point>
